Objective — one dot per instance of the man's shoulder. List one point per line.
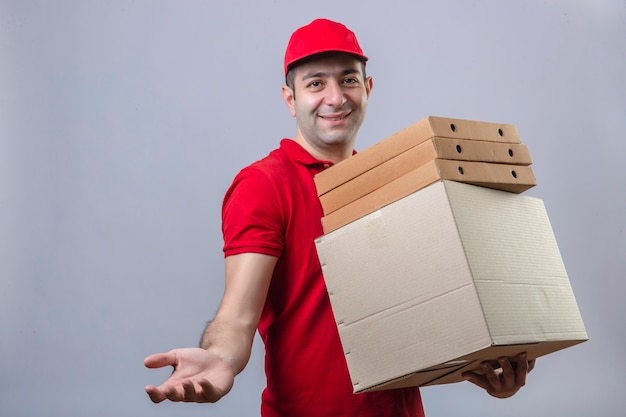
(276, 163)
(269, 176)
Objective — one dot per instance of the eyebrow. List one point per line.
(321, 74)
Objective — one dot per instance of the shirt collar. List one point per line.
(297, 153)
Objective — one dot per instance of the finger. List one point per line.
(522, 369)
(492, 376)
(155, 394)
(172, 393)
(159, 360)
(189, 392)
(509, 376)
(210, 392)
(477, 379)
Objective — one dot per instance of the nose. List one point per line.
(334, 94)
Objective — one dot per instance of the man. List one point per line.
(271, 216)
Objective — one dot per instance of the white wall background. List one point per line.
(122, 123)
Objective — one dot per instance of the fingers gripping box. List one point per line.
(431, 285)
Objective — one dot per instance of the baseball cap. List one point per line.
(321, 35)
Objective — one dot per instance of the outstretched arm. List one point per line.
(207, 373)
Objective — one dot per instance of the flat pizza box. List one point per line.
(444, 278)
(409, 137)
(511, 178)
(415, 157)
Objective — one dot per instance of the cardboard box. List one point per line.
(409, 137)
(425, 152)
(436, 282)
(512, 178)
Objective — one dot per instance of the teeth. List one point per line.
(334, 118)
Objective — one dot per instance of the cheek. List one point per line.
(305, 107)
(363, 103)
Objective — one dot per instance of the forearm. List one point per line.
(231, 333)
(230, 340)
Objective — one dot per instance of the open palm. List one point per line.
(198, 376)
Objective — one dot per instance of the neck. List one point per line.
(332, 153)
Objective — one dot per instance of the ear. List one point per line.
(288, 98)
(369, 84)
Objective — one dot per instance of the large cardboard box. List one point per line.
(438, 281)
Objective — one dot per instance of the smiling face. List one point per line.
(329, 101)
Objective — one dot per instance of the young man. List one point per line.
(271, 216)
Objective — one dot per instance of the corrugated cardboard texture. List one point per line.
(409, 137)
(442, 275)
(482, 151)
(519, 299)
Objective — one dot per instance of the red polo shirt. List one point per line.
(272, 208)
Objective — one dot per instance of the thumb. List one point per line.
(159, 360)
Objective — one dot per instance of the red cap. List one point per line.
(321, 35)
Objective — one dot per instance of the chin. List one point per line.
(338, 139)
(337, 142)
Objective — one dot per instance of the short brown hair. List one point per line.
(290, 77)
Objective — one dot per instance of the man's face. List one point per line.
(330, 101)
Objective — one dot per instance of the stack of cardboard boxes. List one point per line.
(435, 148)
(435, 262)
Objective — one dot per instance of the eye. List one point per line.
(350, 81)
(315, 84)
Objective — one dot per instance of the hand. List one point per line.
(199, 376)
(502, 378)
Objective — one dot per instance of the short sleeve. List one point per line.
(252, 218)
